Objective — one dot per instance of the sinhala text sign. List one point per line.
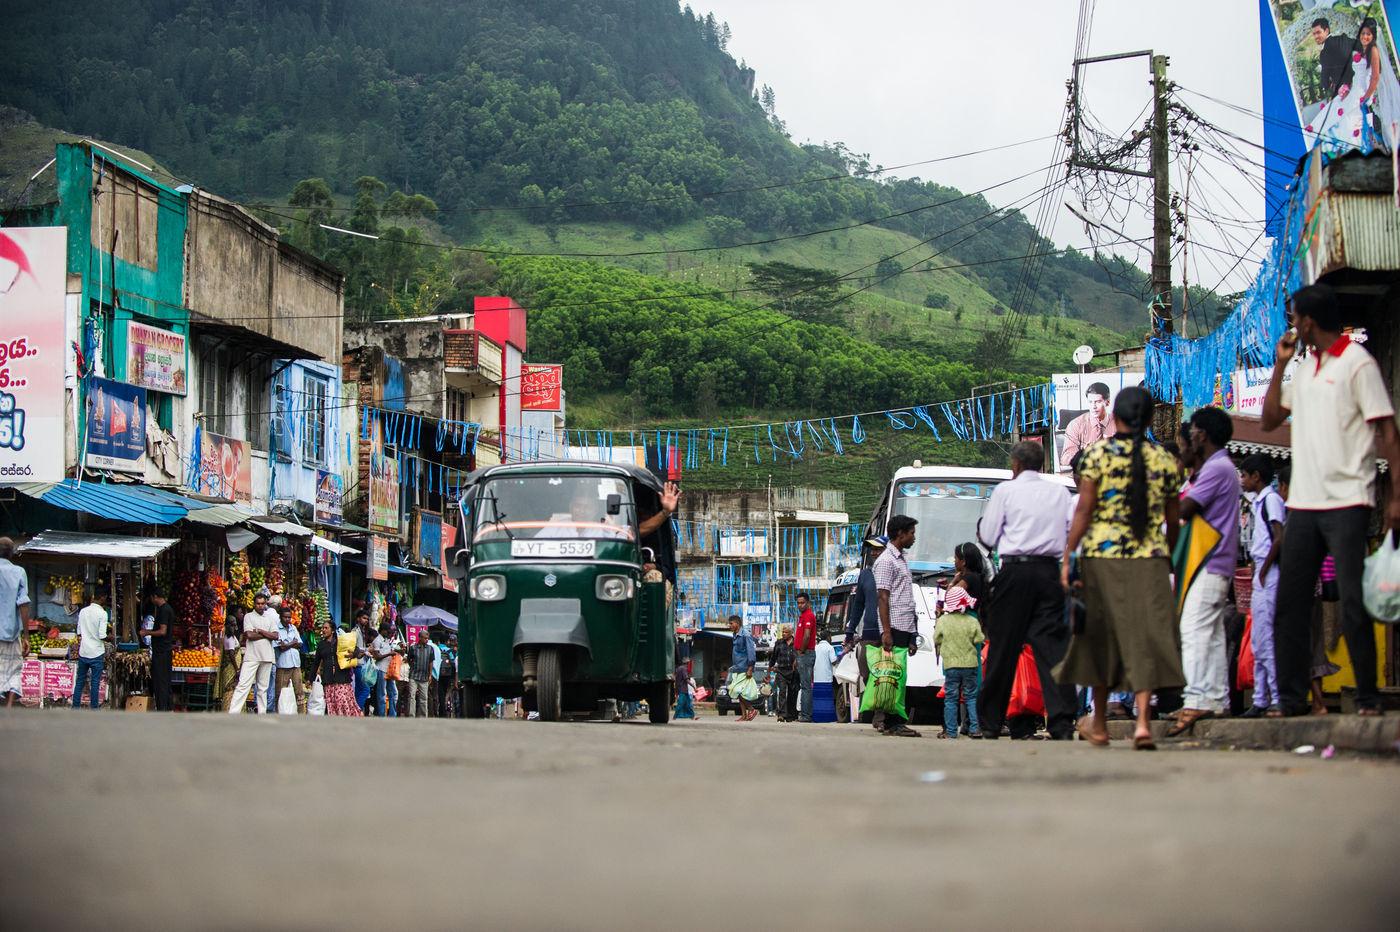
(155, 358)
(32, 351)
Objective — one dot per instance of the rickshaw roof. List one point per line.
(642, 476)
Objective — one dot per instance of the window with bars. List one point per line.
(214, 379)
(315, 392)
(256, 413)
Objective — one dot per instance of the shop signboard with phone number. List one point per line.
(32, 351)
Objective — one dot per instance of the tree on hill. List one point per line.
(801, 292)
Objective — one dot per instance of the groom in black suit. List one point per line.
(1335, 58)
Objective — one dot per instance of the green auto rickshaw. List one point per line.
(559, 601)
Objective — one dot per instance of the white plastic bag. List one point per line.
(287, 701)
(1380, 581)
(316, 702)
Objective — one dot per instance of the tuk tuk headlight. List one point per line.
(488, 588)
(613, 588)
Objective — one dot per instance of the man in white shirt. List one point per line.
(1342, 419)
(288, 646)
(260, 631)
(92, 648)
(1025, 524)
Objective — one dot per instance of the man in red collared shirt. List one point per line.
(805, 643)
(1342, 419)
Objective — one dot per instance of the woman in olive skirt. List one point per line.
(1130, 640)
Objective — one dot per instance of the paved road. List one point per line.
(129, 821)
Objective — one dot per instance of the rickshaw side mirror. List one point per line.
(457, 565)
(614, 504)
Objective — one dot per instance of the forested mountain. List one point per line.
(632, 106)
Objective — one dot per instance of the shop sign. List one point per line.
(430, 538)
(330, 495)
(156, 358)
(758, 615)
(449, 542)
(748, 544)
(32, 353)
(541, 387)
(225, 468)
(58, 679)
(31, 679)
(383, 491)
(378, 558)
(413, 631)
(116, 426)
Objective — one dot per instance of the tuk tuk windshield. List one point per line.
(555, 507)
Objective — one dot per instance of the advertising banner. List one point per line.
(383, 489)
(1340, 64)
(116, 426)
(330, 497)
(449, 541)
(32, 353)
(156, 358)
(225, 468)
(541, 387)
(748, 544)
(1243, 394)
(1084, 410)
(430, 538)
(378, 558)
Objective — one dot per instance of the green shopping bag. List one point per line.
(885, 688)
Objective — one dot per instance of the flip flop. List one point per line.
(1098, 741)
(1367, 711)
(1144, 743)
(1187, 721)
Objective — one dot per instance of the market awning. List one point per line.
(116, 502)
(393, 570)
(286, 528)
(106, 546)
(325, 543)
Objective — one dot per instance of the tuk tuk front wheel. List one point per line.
(659, 702)
(550, 685)
(471, 701)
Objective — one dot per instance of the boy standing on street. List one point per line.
(1256, 478)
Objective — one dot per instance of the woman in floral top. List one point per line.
(1127, 522)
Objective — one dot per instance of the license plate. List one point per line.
(578, 549)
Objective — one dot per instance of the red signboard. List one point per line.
(541, 387)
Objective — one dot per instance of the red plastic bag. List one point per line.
(1244, 673)
(1026, 695)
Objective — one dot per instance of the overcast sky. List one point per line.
(910, 80)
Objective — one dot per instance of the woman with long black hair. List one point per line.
(1127, 497)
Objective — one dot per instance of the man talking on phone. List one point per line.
(1342, 419)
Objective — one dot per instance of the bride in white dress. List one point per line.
(1345, 122)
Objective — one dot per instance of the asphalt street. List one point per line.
(127, 821)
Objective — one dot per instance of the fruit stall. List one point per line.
(63, 567)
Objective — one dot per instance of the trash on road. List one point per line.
(1304, 749)
(933, 776)
(1328, 751)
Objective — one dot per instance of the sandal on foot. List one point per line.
(1186, 721)
(1086, 732)
(1144, 743)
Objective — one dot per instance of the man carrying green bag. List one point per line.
(883, 663)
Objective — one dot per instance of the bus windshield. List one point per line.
(947, 512)
(525, 507)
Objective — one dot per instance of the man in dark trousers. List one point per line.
(1026, 524)
(863, 612)
(162, 650)
(1334, 59)
(1343, 420)
(782, 660)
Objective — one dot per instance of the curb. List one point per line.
(1372, 735)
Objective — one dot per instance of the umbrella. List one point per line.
(427, 615)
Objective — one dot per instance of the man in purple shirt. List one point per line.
(1215, 496)
(1025, 523)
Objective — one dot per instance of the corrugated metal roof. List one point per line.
(325, 543)
(282, 527)
(116, 502)
(108, 546)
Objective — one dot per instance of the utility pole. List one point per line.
(1161, 307)
(1161, 202)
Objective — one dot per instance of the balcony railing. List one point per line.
(792, 498)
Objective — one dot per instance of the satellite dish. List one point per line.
(1083, 354)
